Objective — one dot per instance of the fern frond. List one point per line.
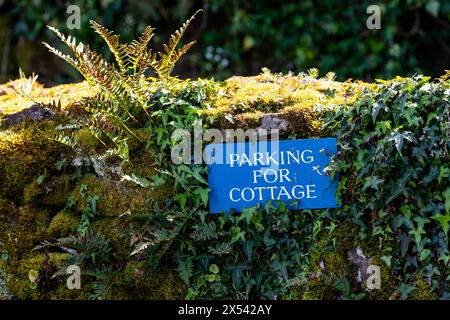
(170, 55)
(204, 231)
(112, 41)
(63, 56)
(69, 40)
(67, 140)
(137, 48)
(98, 70)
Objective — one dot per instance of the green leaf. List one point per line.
(214, 268)
(204, 194)
(181, 198)
(387, 260)
(376, 109)
(138, 180)
(41, 177)
(433, 7)
(446, 195)
(372, 182)
(398, 139)
(123, 150)
(443, 221)
(185, 270)
(404, 243)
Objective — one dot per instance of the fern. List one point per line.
(205, 231)
(112, 41)
(221, 249)
(123, 87)
(171, 54)
(134, 57)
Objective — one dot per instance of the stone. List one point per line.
(362, 262)
(33, 113)
(273, 121)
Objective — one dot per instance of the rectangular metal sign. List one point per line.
(240, 175)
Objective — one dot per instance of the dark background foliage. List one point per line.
(240, 37)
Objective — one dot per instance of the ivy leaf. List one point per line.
(204, 194)
(417, 233)
(433, 7)
(372, 182)
(446, 195)
(181, 198)
(237, 234)
(248, 250)
(424, 254)
(376, 109)
(405, 290)
(387, 260)
(405, 240)
(398, 139)
(443, 221)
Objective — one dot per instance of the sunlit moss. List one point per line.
(63, 224)
(66, 95)
(24, 155)
(19, 283)
(137, 281)
(115, 197)
(422, 290)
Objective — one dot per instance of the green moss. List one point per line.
(18, 282)
(63, 224)
(87, 141)
(115, 197)
(24, 154)
(19, 240)
(294, 97)
(141, 165)
(22, 229)
(137, 281)
(389, 281)
(314, 289)
(110, 228)
(329, 263)
(31, 192)
(422, 290)
(28, 215)
(67, 95)
(57, 190)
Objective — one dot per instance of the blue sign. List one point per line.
(241, 175)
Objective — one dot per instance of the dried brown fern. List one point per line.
(133, 59)
(124, 88)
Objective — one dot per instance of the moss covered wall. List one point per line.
(35, 196)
